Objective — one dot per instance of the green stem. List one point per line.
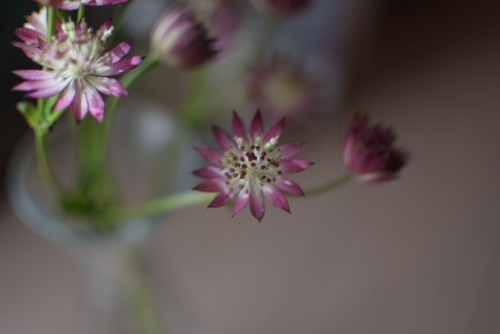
(41, 103)
(51, 13)
(81, 13)
(94, 137)
(195, 110)
(119, 15)
(329, 186)
(43, 161)
(112, 102)
(147, 63)
(162, 205)
(143, 306)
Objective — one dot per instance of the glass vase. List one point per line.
(146, 160)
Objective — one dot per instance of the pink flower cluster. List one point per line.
(75, 4)
(76, 64)
(251, 166)
(369, 151)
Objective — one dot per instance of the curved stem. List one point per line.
(148, 63)
(329, 186)
(163, 205)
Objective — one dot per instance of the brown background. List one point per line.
(420, 255)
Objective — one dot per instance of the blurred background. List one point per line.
(418, 255)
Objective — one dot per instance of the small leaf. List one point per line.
(29, 111)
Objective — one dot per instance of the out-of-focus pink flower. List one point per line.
(35, 28)
(221, 17)
(369, 151)
(251, 166)
(180, 40)
(75, 4)
(48, 2)
(77, 66)
(282, 88)
(282, 8)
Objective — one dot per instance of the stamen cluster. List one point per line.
(251, 162)
(251, 167)
(76, 65)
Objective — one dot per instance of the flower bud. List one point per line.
(369, 151)
(281, 8)
(222, 18)
(180, 41)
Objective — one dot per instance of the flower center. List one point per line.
(250, 163)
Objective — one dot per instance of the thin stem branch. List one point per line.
(81, 13)
(329, 186)
(51, 14)
(43, 161)
(148, 63)
(112, 102)
(163, 205)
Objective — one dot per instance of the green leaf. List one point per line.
(29, 112)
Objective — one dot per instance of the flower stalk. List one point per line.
(332, 185)
(43, 162)
(161, 205)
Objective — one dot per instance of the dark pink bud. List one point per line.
(180, 41)
(369, 151)
(282, 8)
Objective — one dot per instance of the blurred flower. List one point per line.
(282, 8)
(48, 2)
(76, 65)
(280, 87)
(35, 28)
(369, 151)
(221, 17)
(180, 40)
(251, 166)
(75, 4)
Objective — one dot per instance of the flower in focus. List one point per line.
(76, 64)
(250, 166)
(35, 28)
(180, 40)
(282, 8)
(75, 4)
(282, 88)
(369, 151)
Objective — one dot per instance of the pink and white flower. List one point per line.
(369, 151)
(77, 66)
(251, 166)
(75, 4)
(35, 28)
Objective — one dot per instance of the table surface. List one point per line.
(419, 255)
